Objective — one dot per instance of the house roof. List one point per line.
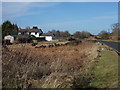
(16, 35)
(47, 34)
(30, 30)
(19, 36)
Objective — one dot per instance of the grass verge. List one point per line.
(105, 70)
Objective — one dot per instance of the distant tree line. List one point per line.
(59, 34)
(65, 34)
(82, 35)
(9, 28)
(115, 34)
(104, 34)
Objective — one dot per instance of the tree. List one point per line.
(77, 34)
(85, 34)
(104, 34)
(9, 28)
(82, 35)
(66, 34)
(115, 29)
(14, 30)
(59, 34)
(6, 28)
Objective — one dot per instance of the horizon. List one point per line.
(71, 16)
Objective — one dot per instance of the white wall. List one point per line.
(48, 38)
(19, 33)
(32, 33)
(36, 35)
(9, 37)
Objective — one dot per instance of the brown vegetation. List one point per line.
(54, 67)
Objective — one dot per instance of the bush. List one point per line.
(23, 39)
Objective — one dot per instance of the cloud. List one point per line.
(76, 25)
(92, 19)
(10, 10)
(17, 9)
(14, 8)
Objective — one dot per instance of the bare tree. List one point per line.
(115, 29)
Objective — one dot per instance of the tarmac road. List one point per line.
(114, 45)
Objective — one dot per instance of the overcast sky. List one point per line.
(71, 16)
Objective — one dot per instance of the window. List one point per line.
(29, 33)
(35, 33)
(39, 34)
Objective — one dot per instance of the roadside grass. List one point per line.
(105, 72)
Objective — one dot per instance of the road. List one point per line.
(114, 45)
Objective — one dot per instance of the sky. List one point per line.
(72, 16)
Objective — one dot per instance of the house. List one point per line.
(9, 38)
(26, 35)
(17, 38)
(47, 38)
(30, 31)
(91, 38)
(35, 32)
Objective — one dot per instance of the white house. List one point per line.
(33, 32)
(47, 38)
(9, 37)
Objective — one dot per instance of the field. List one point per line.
(85, 65)
(46, 67)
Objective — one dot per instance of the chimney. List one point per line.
(28, 27)
(35, 27)
(19, 28)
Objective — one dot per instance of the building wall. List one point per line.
(19, 33)
(32, 33)
(35, 34)
(47, 38)
(9, 38)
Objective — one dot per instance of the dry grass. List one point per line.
(55, 67)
